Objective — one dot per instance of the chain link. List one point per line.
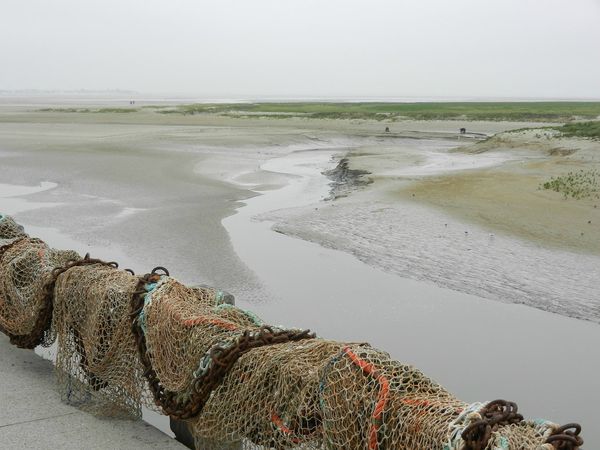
(493, 415)
(566, 437)
(44, 319)
(222, 358)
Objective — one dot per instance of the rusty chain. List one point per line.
(223, 358)
(566, 437)
(493, 415)
(44, 318)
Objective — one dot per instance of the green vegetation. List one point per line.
(581, 129)
(88, 110)
(578, 185)
(496, 111)
(589, 129)
(512, 111)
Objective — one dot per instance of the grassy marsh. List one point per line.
(494, 111)
(589, 129)
(581, 129)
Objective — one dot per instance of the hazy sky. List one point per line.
(249, 48)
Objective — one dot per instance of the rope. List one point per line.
(382, 396)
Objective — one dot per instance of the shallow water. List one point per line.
(417, 242)
(479, 349)
(12, 203)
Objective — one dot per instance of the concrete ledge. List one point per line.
(33, 417)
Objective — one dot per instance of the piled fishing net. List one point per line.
(327, 395)
(189, 339)
(25, 285)
(97, 363)
(9, 229)
(125, 342)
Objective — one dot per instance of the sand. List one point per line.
(507, 197)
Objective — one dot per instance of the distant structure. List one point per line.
(463, 130)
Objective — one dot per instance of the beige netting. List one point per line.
(125, 342)
(10, 229)
(97, 360)
(25, 275)
(327, 395)
(191, 317)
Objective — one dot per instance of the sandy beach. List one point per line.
(447, 257)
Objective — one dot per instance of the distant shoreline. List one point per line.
(533, 111)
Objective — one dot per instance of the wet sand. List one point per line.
(508, 198)
(157, 193)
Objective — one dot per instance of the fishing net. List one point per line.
(125, 342)
(97, 363)
(327, 395)
(9, 229)
(25, 285)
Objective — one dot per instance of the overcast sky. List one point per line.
(295, 48)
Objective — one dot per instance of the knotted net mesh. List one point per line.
(97, 362)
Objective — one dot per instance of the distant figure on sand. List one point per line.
(463, 130)
(387, 129)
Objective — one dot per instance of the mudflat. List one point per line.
(511, 198)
